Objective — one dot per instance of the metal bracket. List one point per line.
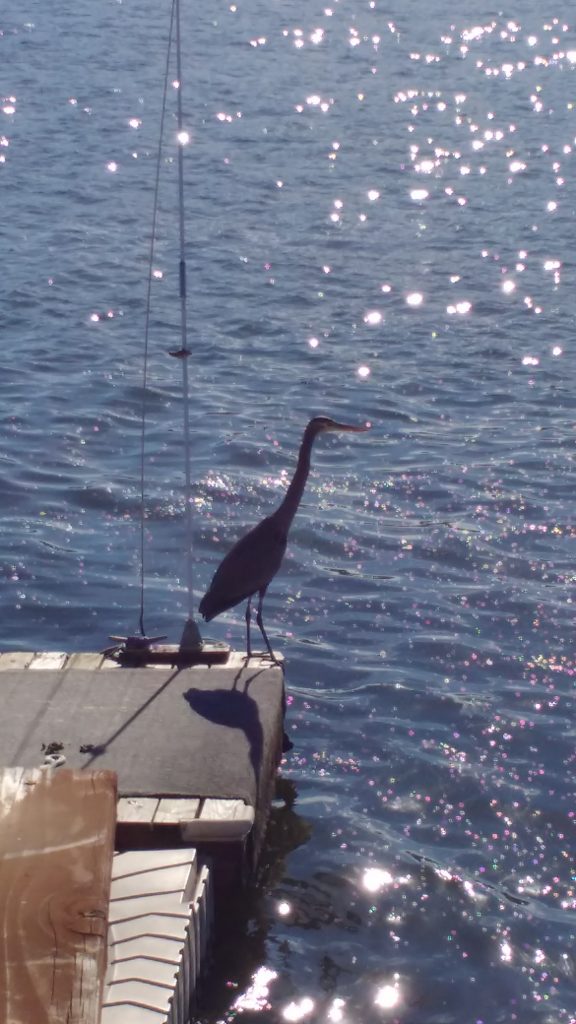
(131, 645)
(140, 651)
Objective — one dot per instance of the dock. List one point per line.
(191, 755)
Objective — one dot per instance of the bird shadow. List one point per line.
(233, 709)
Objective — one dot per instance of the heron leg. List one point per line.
(248, 614)
(260, 622)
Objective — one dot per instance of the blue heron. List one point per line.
(252, 563)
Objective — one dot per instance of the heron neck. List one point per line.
(287, 510)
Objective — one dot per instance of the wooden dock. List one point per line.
(193, 752)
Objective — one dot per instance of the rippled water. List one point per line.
(381, 219)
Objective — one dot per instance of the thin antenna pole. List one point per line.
(142, 559)
(191, 636)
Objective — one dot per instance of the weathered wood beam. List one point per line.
(56, 845)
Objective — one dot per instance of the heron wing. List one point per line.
(247, 568)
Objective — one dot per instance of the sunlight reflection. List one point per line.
(414, 299)
(284, 908)
(255, 997)
(388, 996)
(462, 308)
(425, 166)
(112, 167)
(506, 952)
(363, 371)
(316, 101)
(183, 138)
(336, 1011)
(297, 1011)
(375, 879)
(373, 317)
(419, 194)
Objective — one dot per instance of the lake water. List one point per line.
(381, 218)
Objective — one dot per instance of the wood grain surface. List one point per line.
(56, 845)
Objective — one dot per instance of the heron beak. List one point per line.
(350, 427)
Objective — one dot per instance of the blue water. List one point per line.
(380, 210)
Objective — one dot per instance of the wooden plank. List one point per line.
(219, 821)
(56, 847)
(238, 659)
(48, 660)
(140, 809)
(214, 809)
(176, 811)
(15, 660)
(85, 660)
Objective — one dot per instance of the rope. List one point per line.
(142, 560)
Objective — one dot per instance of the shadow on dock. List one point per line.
(233, 709)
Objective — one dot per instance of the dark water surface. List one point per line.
(381, 223)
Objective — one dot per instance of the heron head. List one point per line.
(322, 424)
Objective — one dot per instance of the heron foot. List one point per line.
(264, 656)
(268, 656)
(287, 744)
